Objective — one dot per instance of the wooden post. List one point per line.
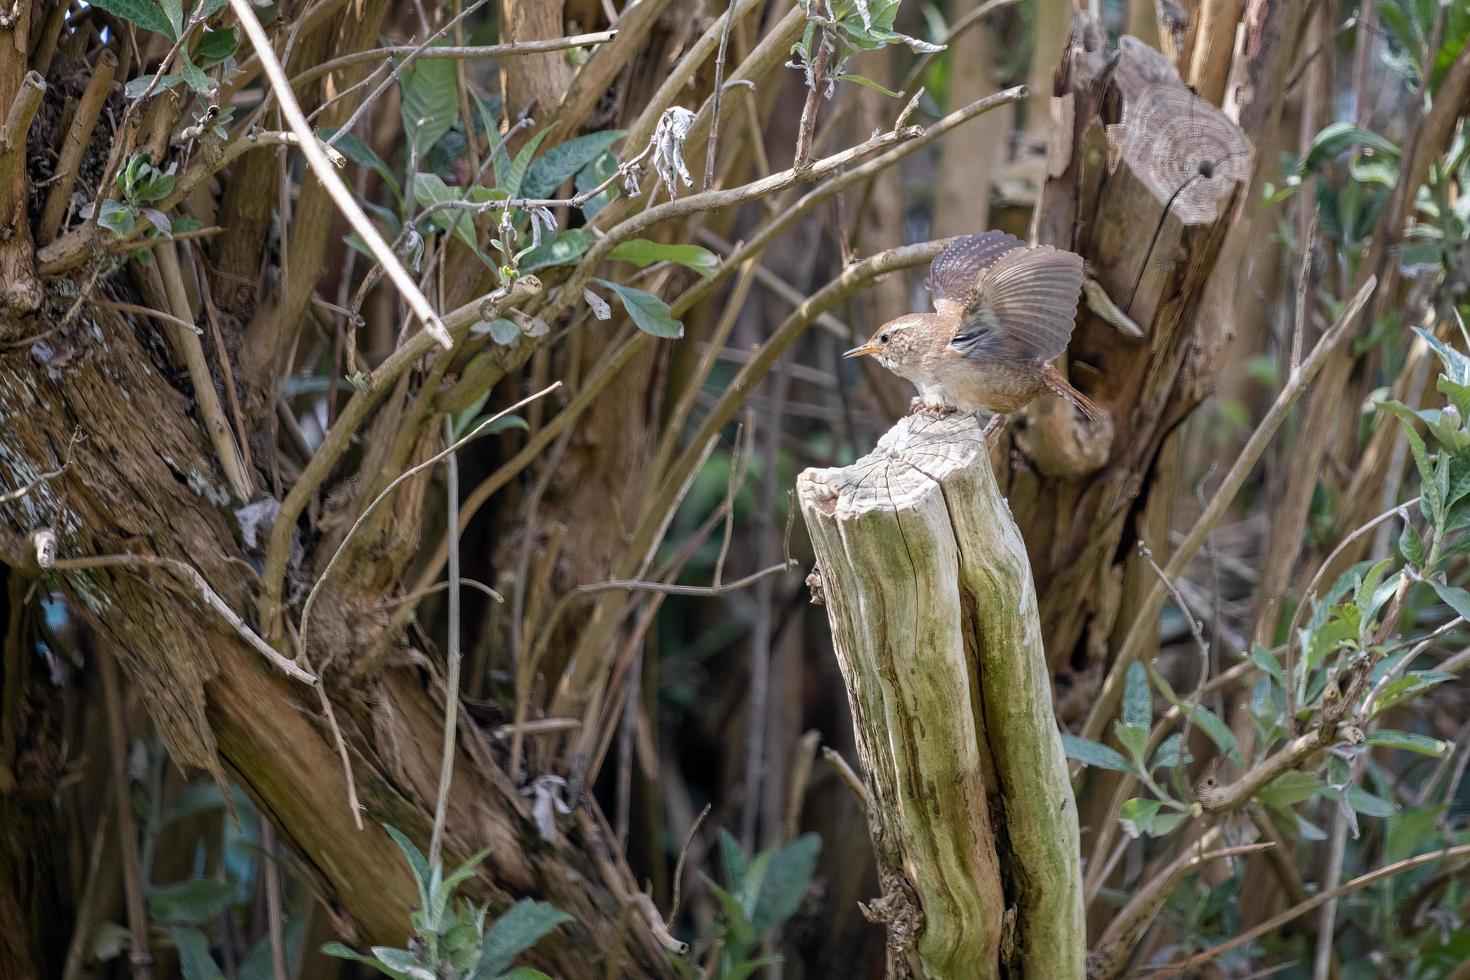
(933, 612)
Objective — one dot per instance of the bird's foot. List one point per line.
(994, 428)
(933, 409)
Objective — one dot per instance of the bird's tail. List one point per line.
(1059, 385)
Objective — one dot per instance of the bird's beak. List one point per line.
(863, 351)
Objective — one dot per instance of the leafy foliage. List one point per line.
(760, 893)
(452, 941)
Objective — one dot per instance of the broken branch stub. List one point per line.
(934, 622)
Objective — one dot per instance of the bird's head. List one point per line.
(898, 344)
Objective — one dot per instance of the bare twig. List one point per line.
(714, 126)
(273, 901)
(402, 67)
(211, 599)
(321, 166)
(452, 657)
(127, 827)
(458, 53)
(816, 83)
(708, 591)
(14, 495)
(211, 412)
(78, 135)
(18, 123)
(679, 866)
(845, 773)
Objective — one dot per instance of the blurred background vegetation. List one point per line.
(681, 734)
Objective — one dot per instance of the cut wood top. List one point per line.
(909, 463)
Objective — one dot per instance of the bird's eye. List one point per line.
(883, 339)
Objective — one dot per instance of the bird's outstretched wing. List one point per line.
(956, 272)
(1023, 305)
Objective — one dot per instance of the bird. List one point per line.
(1003, 311)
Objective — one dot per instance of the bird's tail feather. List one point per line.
(1059, 385)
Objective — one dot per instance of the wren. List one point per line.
(1003, 311)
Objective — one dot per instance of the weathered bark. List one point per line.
(935, 625)
(143, 480)
(1143, 181)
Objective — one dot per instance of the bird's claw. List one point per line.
(936, 410)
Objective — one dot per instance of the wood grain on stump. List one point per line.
(933, 613)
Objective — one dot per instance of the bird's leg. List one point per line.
(994, 427)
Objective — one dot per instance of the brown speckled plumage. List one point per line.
(1003, 312)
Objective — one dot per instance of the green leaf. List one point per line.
(1366, 598)
(416, 862)
(195, 963)
(1137, 816)
(403, 962)
(554, 166)
(1412, 684)
(1408, 741)
(643, 253)
(1453, 596)
(648, 312)
(1166, 822)
(144, 13)
(1217, 731)
(734, 858)
(1170, 753)
(866, 82)
(117, 218)
(1411, 546)
(523, 973)
(1339, 136)
(361, 154)
(1433, 501)
(563, 248)
(1290, 788)
(258, 964)
(1267, 661)
(1138, 709)
(194, 76)
(430, 101)
(428, 190)
(216, 46)
(1456, 364)
(1410, 832)
(520, 928)
(174, 11)
(1367, 804)
(1135, 740)
(515, 175)
(348, 953)
(785, 883)
(748, 968)
(192, 902)
(1094, 754)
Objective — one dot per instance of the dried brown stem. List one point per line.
(127, 826)
(77, 137)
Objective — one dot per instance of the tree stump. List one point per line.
(934, 620)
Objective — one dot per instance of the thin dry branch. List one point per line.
(458, 53)
(321, 166)
(210, 597)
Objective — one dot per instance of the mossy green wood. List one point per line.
(934, 622)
